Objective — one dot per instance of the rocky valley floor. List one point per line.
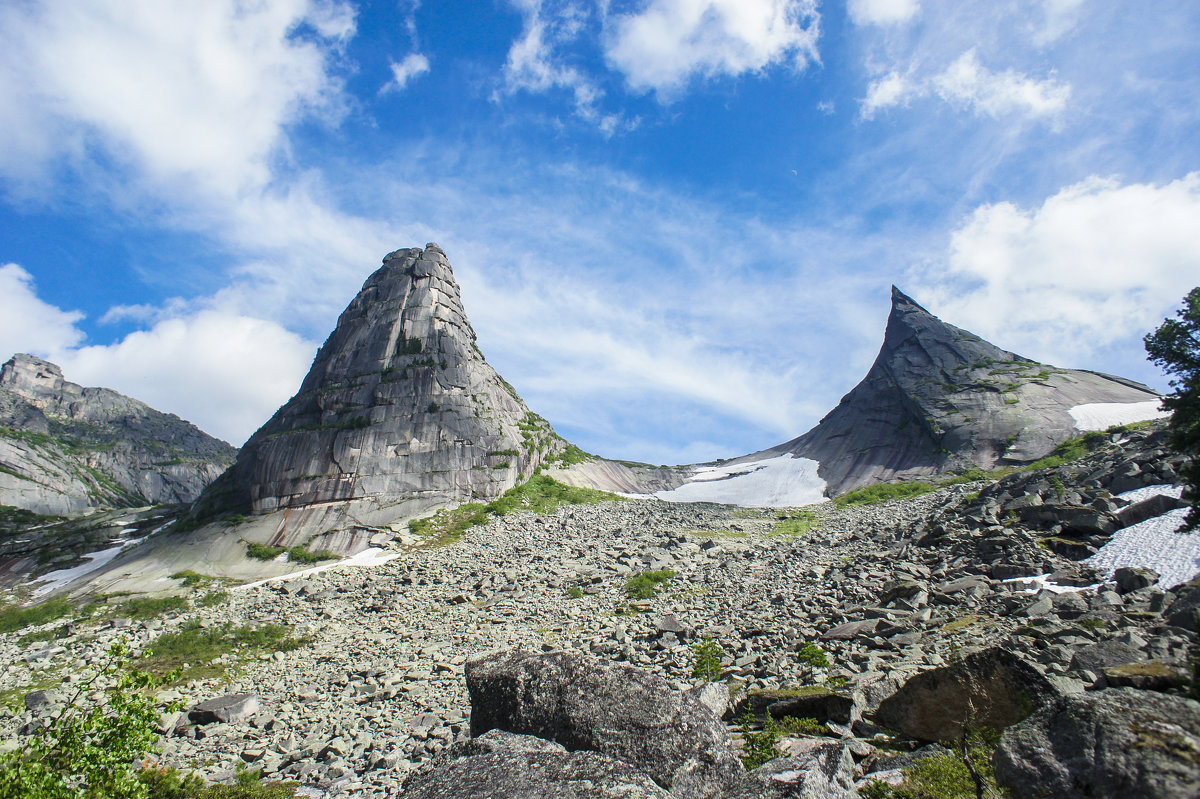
(888, 590)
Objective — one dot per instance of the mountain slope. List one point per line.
(937, 399)
(399, 408)
(64, 447)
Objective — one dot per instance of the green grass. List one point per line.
(192, 579)
(14, 617)
(570, 456)
(796, 523)
(645, 585)
(883, 492)
(540, 494)
(146, 608)
(212, 599)
(20, 517)
(300, 554)
(192, 648)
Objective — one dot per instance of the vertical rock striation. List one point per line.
(399, 409)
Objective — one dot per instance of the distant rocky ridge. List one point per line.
(399, 414)
(937, 399)
(64, 447)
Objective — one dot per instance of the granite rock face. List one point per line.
(939, 399)
(399, 408)
(64, 447)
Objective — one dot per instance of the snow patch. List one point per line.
(371, 556)
(1153, 544)
(782, 482)
(52, 581)
(1103, 415)
(1041, 582)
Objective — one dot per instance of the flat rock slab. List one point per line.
(1118, 743)
(992, 688)
(224, 709)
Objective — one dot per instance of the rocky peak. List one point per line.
(32, 378)
(399, 409)
(939, 398)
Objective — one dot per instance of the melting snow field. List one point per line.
(54, 580)
(1103, 415)
(1153, 544)
(782, 482)
(372, 556)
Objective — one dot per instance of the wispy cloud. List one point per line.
(966, 83)
(883, 12)
(413, 65)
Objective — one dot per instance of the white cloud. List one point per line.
(1061, 16)
(224, 371)
(892, 89)
(669, 42)
(200, 91)
(883, 12)
(1097, 263)
(27, 324)
(413, 65)
(967, 82)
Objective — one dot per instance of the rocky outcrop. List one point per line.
(992, 689)
(626, 713)
(399, 409)
(64, 447)
(1110, 744)
(940, 399)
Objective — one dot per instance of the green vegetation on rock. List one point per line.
(645, 585)
(540, 494)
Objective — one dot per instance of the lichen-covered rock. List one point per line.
(620, 711)
(65, 448)
(1113, 744)
(500, 764)
(992, 688)
(399, 408)
(825, 771)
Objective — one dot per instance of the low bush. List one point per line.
(645, 585)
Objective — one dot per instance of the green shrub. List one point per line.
(645, 585)
(262, 551)
(89, 750)
(882, 492)
(575, 592)
(212, 599)
(949, 776)
(796, 523)
(247, 784)
(299, 554)
(145, 608)
(708, 660)
(794, 725)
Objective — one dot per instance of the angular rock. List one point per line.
(225, 709)
(826, 771)
(1130, 579)
(818, 703)
(620, 711)
(1113, 744)
(993, 688)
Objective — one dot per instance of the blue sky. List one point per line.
(675, 222)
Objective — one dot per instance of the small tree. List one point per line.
(1175, 346)
(708, 660)
(812, 657)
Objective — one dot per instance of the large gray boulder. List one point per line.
(825, 771)
(992, 688)
(1118, 743)
(620, 711)
(501, 764)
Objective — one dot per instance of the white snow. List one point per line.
(782, 482)
(371, 556)
(1041, 582)
(1103, 415)
(51, 581)
(1153, 544)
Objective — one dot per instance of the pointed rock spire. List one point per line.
(399, 409)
